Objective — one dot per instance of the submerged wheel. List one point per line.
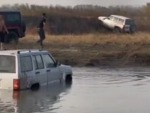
(35, 86)
(68, 79)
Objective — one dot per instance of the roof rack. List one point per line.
(19, 51)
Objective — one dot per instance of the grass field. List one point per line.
(94, 49)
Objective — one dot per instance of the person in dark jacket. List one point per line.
(41, 30)
(3, 30)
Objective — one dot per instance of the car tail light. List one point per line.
(16, 84)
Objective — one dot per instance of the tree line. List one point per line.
(79, 19)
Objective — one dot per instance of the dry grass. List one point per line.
(93, 48)
(141, 37)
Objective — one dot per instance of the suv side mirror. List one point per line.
(57, 63)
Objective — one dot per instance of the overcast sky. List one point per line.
(77, 2)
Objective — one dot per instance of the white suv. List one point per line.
(23, 69)
(118, 23)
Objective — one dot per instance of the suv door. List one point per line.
(53, 71)
(40, 71)
(27, 75)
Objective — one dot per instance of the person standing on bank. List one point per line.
(41, 31)
(3, 30)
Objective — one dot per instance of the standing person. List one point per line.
(3, 30)
(41, 31)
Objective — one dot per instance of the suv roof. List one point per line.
(119, 16)
(9, 11)
(15, 52)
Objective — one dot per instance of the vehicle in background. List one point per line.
(25, 69)
(118, 23)
(15, 25)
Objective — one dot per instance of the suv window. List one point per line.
(118, 20)
(7, 64)
(38, 62)
(111, 17)
(26, 63)
(121, 20)
(115, 19)
(12, 18)
(48, 61)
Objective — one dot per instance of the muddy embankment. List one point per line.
(94, 49)
(105, 55)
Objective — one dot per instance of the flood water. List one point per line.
(94, 90)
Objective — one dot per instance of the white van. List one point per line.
(23, 69)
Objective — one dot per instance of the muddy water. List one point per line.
(94, 90)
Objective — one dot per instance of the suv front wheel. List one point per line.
(117, 30)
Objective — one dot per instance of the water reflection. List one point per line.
(32, 101)
(94, 90)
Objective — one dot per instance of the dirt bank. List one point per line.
(94, 49)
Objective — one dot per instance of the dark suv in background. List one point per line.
(15, 25)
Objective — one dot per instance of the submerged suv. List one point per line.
(118, 23)
(24, 69)
(15, 25)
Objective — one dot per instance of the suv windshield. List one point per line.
(7, 64)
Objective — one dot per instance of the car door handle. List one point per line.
(37, 72)
(48, 70)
